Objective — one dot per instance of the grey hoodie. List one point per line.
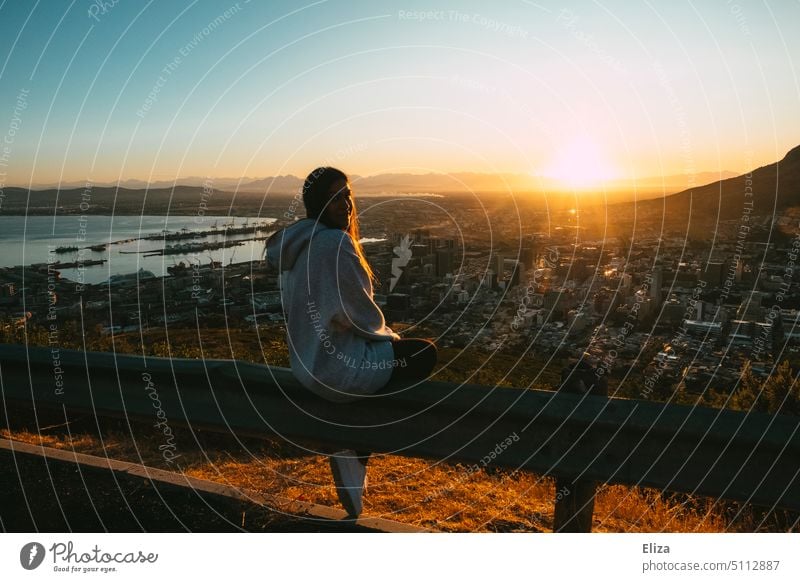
(339, 344)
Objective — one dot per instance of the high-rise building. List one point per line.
(700, 310)
(517, 273)
(490, 279)
(444, 262)
(655, 285)
(501, 266)
(527, 257)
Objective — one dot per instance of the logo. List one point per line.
(403, 253)
(31, 555)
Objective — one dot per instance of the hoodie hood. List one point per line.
(285, 246)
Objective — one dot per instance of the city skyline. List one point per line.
(582, 95)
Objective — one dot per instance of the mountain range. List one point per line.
(775, 189)
(410, 183)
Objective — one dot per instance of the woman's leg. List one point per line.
(414, 359)
(350, 476)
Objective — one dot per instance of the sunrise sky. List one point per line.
(580, 92)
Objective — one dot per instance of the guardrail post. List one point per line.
(575, 498)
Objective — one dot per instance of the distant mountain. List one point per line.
(199, 181)
(672, 183)
(452, 182)
(189, 200)
(406, 183)
(273, 185)
(438, 183)
(378, 184)
(774, 188)
(480, 182)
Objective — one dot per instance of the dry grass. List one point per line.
(436, 495)
(640, 509)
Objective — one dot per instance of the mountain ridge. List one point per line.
(433, 182)
(773, 187)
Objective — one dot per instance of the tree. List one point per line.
(782, 391)
(749, 393)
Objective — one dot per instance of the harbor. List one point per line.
(104, 246)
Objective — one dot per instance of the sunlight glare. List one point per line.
(581, 165)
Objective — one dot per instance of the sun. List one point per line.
(581, 165)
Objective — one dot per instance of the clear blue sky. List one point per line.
(277, 87)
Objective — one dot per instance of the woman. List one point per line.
(340, 347)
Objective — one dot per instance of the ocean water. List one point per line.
(29, 240)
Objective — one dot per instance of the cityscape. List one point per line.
(576, 253)
(660, 314)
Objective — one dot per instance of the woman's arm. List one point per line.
(357, 309)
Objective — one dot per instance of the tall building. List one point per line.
(517, 274)
(444, 262)
(527, 257)
(656, 284)
(700, 310)
(490, 279)
(501, 266)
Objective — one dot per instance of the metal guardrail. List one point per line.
(750, 457)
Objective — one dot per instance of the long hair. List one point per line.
(315, 198)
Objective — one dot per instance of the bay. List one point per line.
(30, 240)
